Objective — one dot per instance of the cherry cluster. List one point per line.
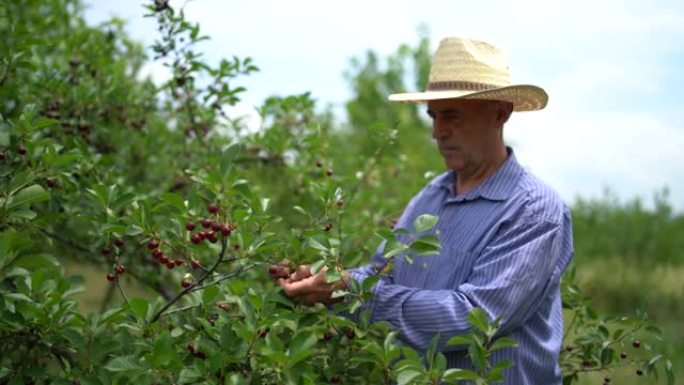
(214, 228)
(119, 269)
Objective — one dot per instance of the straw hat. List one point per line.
(474, 69)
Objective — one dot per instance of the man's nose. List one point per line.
(439, 129)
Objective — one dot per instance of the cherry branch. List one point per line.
(224, 243)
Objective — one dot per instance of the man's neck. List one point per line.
(467, 180)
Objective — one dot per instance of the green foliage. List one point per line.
(629, 229)
(610, 343)
(156, 185)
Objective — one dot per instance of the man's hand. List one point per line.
(302, 286)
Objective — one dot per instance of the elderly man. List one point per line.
(506, 237)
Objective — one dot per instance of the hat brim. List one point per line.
(524, 97)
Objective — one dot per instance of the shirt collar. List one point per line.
(498, 187)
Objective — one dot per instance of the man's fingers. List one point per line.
(303, 271)
(280, 270)
(298, 288)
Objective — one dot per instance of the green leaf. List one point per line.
(132, 230)
(655, 331)
(408, 376)
(32, 194)
(123, 364)
(300, 346)
(478, 318)
(440, 363)
(300, 209)
(385, 234)
(502, 343)
(496, 374)
(478, 356)
(392, 248)
(177, 332)
(4, 139)
(332, 275)
(316, 266)
(425, 245)
(654, 359)
(42, 123)
(189, 375)
(23, 214)
(313, 243)
(607, 356)
(18, 297)
(227, 158)
(460, 340)
(163, 351)
(210, 293)
(424, 222)
(139, 307)
(452, 375)
(669, 372)
(174, 200)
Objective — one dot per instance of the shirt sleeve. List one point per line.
(507, 280)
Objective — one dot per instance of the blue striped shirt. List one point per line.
(504, 246)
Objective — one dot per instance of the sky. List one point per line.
(613, 69)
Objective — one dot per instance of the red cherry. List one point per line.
(163, 260)
(22, 150)
(327, 336)
(351, 334)
(196, 238)
(215, 226)
(178, 262)
(225, 230)
(191, 348)
(212, 237)
(120, 269)
(319, 164)
(272, 270)
(110, 277)
(200, 355)
(119, 242)
(190, 226)
(327, 227)
(157, 253)
(170, 264)
(154, 243)
(186, 283)
(213, 208)
(195, 264)
(203, 234)
(106, 250)
(329, 172)
(206, 223)
(236, 246)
